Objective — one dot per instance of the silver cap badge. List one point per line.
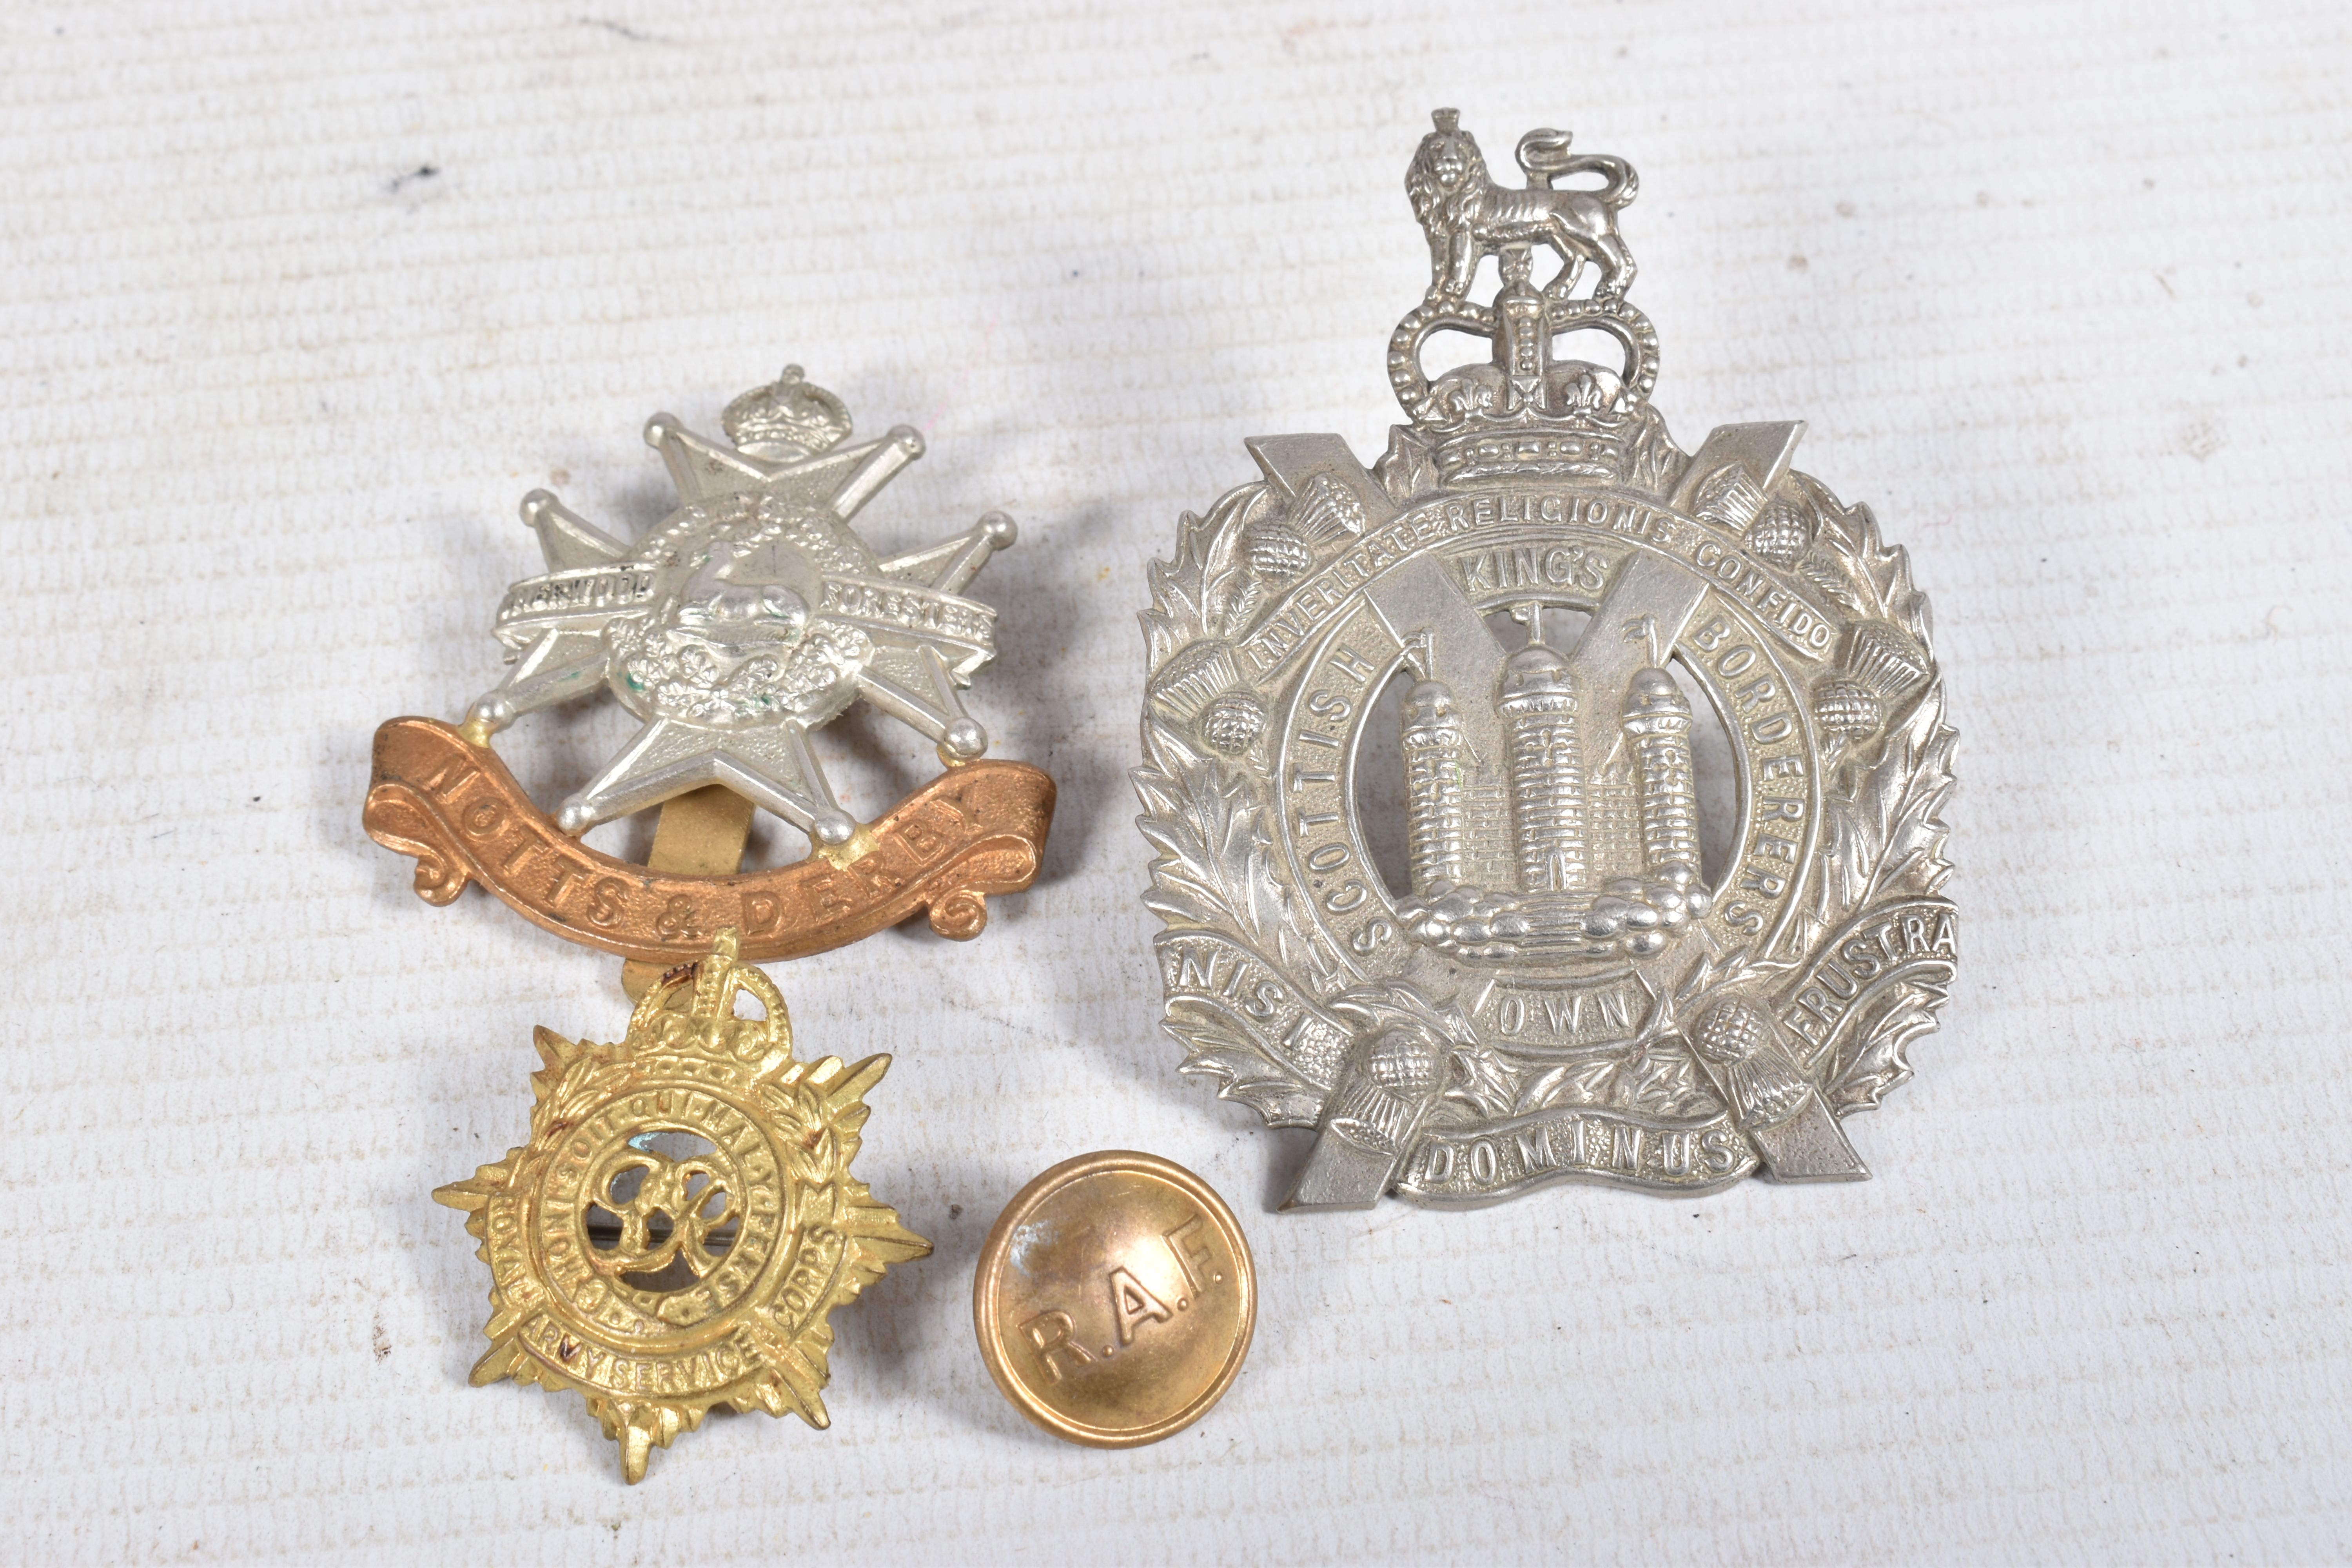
(1445, 872)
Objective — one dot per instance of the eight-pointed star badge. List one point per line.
(683, 1222)
(750, 616)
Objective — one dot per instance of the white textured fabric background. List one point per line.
(298, 301)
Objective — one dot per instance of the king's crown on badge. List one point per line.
(746, 620)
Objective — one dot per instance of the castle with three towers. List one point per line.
(1587, 798)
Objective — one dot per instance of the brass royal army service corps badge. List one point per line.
(1516, 643)
(683, 1221)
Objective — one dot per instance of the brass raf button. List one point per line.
(1115, 1299)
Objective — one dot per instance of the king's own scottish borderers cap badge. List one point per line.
(683, 1221)
(1444, 873)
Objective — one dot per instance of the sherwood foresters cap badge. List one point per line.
(749, 617)
(1440, 877)
(683, 1220)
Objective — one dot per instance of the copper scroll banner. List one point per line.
(974, 830)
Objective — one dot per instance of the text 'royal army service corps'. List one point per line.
(1561, 952)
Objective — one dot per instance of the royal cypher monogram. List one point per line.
(683, 1222)
(1567, 955)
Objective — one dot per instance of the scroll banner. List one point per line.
(1574, 1143)
(1913, 940)
(1248, 995)
(891, 609)
(583, 595)
(1783, 603)
(975, 830)
(586, 596)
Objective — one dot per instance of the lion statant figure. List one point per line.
(1468, 215)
